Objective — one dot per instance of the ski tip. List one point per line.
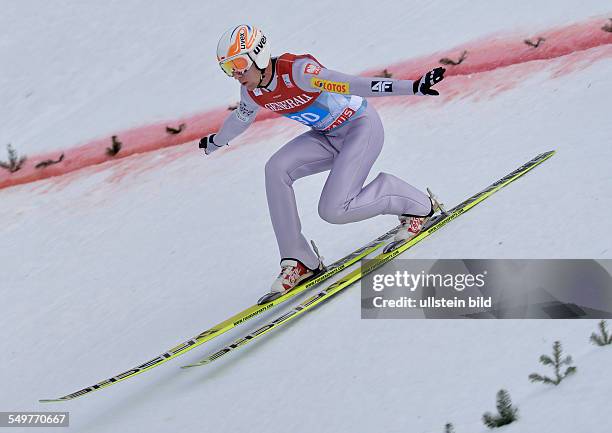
(50, 400)
(546, 154)
(197, 364)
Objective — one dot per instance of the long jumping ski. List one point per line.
(432, 226)
(235, 320)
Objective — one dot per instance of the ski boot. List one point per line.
(293, 273)
(412, 225)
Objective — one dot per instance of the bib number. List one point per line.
(307, 119)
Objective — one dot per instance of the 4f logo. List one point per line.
(382, 86)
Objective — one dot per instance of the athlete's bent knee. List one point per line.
(333, 214)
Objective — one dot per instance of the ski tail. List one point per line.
(432, 226)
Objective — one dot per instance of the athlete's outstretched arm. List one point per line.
(234, 125)
(311, 76)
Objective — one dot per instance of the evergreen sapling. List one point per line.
(603, 338)
(14, 163)
(557, 362)
(506, 412)
(115, 148)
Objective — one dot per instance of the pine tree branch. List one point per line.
(174, 131)
(546, 360)
(569, 371)
(596, 339)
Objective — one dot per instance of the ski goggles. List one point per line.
(239, 63)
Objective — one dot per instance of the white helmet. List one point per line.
(240, 47)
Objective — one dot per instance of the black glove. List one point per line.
(208, 144)
(423, 85)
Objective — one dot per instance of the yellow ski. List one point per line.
(432, 226)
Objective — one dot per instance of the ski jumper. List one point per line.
(346, 138)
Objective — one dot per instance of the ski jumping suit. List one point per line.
(346, 138)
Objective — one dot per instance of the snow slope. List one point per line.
(78, 70)
(110, 265)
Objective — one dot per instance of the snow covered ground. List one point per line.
(108, 266)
